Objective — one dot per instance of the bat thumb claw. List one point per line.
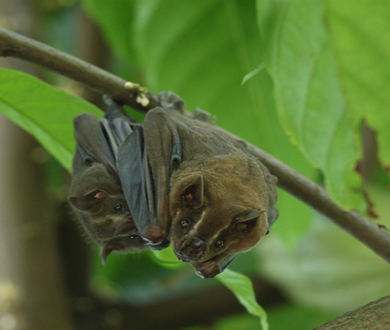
(104, 253)
(155, 234)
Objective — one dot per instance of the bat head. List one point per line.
(218, 212)
(101, 206)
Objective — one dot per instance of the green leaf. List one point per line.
(252, 74)
(242, 288)
(167, 258)
(115, 17)
(43, 111)
(360, 40)
(308, 93)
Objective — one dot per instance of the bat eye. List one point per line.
(118, 207)
(134, 236)
(184, 223)
(219, 243)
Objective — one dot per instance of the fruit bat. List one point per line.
(96, 194)
(215, 200)
(183, 181)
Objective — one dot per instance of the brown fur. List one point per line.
(212, 191)
(97, 197)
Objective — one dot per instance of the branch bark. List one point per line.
(15, 45)
(373, 316)
(369, 233)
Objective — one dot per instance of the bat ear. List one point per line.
(248, 221)
(90, 203)
(193, 195)
(273, 214)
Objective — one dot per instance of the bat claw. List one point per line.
(164, 244)
(105, 252)
(155, 235)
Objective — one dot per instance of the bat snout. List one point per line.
(196, 243)
(194, 248)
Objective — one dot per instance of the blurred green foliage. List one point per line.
(326, 70)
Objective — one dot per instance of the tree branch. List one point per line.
(13, 44)
(375, 315)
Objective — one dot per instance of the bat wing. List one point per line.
(115, 127)
(136, 180)
(90, 147)
(161, 154)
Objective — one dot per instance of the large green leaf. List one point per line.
(45, 112)
(242, 288)
(309, 97)
(116, 19)
(178, 49)
(360, 38)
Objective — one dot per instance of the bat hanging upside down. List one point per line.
(185, 182)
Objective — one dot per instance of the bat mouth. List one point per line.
(191, 256)
(125, 227)
(208, 268)
(122, 244)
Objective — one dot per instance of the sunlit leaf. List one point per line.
(252, 74)
(167, 258)
(242, 288)
(45, 112)
(308, 93)
(360, 38)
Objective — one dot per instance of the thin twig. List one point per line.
(13, 44)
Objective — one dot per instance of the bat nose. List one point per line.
(197, 243)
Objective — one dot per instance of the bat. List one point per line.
(213, 198)
(144, 169)
(96, 194)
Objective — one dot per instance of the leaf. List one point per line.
(359, 36)
(115, 18)
(43, 111)
(252, 74)
(308, 93)
(166, 258)
(242, 288)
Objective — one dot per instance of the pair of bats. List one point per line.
(173, 180)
